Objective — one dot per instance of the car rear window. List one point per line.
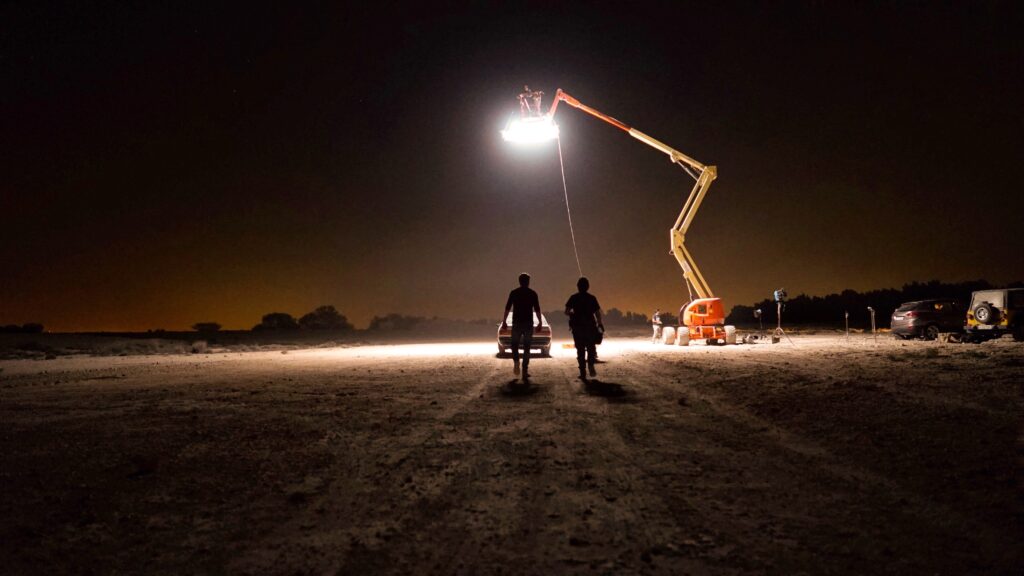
(543, 319)
(993, 297)
(907, 307)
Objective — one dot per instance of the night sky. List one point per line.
(164, 165)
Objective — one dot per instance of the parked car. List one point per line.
(927, 318)
(993, 313)
(541, 339)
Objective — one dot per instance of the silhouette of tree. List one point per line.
(325, 318)
(613, 316)
(206, 327)
(394, 322)
(277, 321)
(29, 328)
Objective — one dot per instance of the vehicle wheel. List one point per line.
(683, 337)
(730, 334)
(931, 332)
(986, 314)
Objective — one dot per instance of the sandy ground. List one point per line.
(819, 456)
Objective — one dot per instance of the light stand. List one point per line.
(873, 331)
(780, 299)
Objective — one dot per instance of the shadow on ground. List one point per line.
(610, 390)
(518, 389)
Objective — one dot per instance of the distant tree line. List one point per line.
(206, 327)
(611, 317)
(395, 321)
(29, 328)
(828, 310)
(616, 317)
(323, 318)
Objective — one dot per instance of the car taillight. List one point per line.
(910, 314)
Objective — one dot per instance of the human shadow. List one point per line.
(519, 389)
(611, 391)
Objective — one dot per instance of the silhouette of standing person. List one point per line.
(657, 324)
(584, 314)
(523, 302)
(529, 102)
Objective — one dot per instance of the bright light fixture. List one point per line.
(530, 130)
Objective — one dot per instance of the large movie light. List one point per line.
(530, 130)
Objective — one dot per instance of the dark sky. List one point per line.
(164, 164)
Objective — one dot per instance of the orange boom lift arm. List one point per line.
(703, 317)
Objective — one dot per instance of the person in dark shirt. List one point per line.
(584, 314)
(657, 324)
(523, 302)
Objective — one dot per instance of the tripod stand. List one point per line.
(779, 332)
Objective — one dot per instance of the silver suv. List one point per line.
(927, 318)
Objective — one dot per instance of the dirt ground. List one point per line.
(816, 456)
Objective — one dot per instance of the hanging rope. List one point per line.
(568, 213)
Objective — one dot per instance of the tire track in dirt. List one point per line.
(585, 515)
(816, 457)
(357, 522)
(619, 477)
(881, 374)
(503, 502)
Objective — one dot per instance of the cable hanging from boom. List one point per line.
(535, 126)
(561, 164)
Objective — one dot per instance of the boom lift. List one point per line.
(702, 317)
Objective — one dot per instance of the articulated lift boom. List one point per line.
(704, 316)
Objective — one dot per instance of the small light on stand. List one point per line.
(780, 303)
(873, 332)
